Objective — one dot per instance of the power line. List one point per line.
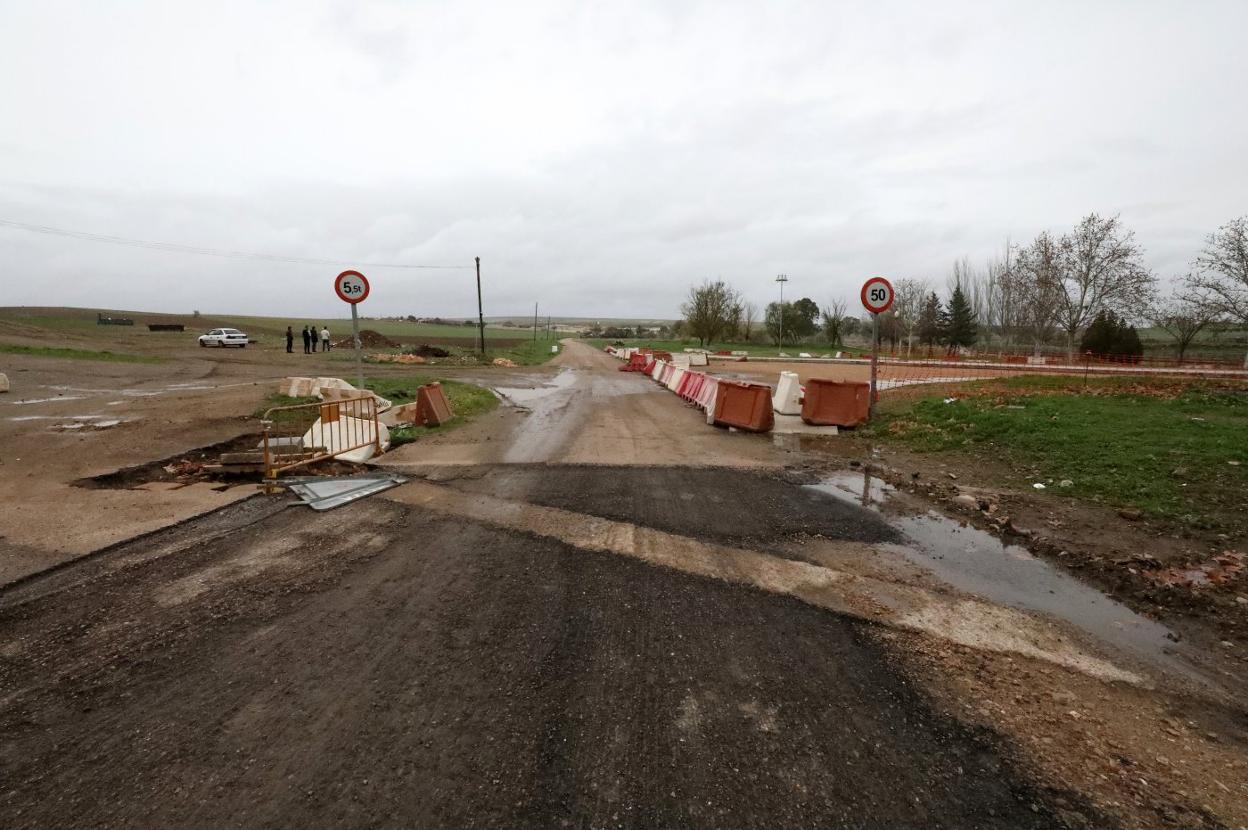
(173, 247)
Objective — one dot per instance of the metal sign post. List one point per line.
(352, 287)
(875, 363)
(877, 298)
(359, 355)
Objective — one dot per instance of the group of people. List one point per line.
(310, 338)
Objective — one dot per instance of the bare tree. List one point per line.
(834, 321)
(1035, 282)
(732, 323)
(965, 276)
(1219, 282)
(708, 310)
(1102, 270)
(1000, 293)
(908, 306)
(1183, 318)
(749, 315)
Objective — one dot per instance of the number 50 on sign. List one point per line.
(877, 295)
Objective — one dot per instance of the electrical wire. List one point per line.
(173, 247)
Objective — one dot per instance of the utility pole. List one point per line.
(480, 313)
(535, 324)
(782, 279)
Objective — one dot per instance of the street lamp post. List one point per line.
(782, 279)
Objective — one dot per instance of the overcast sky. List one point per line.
(598, 157)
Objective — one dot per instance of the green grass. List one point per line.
(1177, 454)
(467, 402)
(528, 353)
(77, 354)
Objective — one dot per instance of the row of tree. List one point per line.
(1048, 291)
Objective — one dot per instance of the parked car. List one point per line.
(224, 337)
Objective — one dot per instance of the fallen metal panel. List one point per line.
(330, 492)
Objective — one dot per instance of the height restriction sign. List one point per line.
(877, 295)
(352, 287)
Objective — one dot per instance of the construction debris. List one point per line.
(326, 493)
(502, 361)
(397, 358)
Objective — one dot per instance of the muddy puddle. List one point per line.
(527, 396)
(555, 409)
(978, 563)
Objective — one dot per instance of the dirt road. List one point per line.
(607, 614)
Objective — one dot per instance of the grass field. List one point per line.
(76, 354)
(1175, 452)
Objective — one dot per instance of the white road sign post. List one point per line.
(877, 298)
(352, 287)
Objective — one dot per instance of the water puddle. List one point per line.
(57, 399)
(53, 417)
(526, 396)
(976, 562)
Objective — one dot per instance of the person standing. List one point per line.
(312, 335)
(325, 338)
(290, 340)
(307, 341)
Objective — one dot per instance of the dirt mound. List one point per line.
(369, 339)
(425, 350)
(502, 361)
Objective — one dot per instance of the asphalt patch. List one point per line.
(717, 504)
(444, 673)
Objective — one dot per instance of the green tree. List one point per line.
(1109, 334)
(961, 327)
(793, 322)
(807, 312)
(708, 310)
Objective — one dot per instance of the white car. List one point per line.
(224, 337)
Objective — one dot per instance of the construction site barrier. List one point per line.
(746, 406)
(295, 436)
(788, 397)
(432, 406)
(836, 403)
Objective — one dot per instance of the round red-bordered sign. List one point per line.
(877, 295)
(351, 287)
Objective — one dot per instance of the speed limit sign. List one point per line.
(352, 286)
(877, 295)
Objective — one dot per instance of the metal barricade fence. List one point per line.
(302, 434)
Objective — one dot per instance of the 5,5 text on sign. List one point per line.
(351, 286)
(877, 295)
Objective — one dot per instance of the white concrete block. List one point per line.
(4, 382)
(787, 399)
